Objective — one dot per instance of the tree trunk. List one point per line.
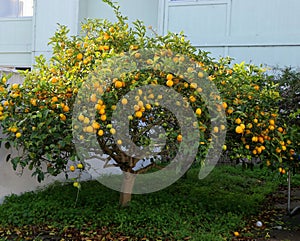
(127, 186)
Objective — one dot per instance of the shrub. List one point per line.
(288, 83)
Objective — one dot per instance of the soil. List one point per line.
(290, 222)
(278, 224)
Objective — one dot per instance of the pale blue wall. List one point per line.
(45, 20)
(23, 39)
(258, 31)
(261, 31)
(15, 41)
(145, 10)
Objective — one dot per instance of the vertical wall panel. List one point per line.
(15, 42)
(260, 31)
(199, 21)
(272, 56)
(144, 10)
(219, 26)
(46, 18)
(265, 17)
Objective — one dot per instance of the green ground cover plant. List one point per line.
(190, 209)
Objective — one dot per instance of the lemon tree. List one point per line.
(41, 117)
(36, 116)
(257, 129)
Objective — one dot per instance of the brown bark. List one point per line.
(127, 187)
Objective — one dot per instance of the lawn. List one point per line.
(191, 209)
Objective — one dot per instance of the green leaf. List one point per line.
(15, 161)
(7, 145)
(8, 157)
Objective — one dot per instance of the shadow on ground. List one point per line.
(291, 223)
(278, 225)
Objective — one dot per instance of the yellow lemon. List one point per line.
(112, 131)
(239, 130)
(170, 76)
(138, 114)
(72, 168)
(238, 121)
(169, 83)
(100, 133)
(198, 111)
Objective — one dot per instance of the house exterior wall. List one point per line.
(22, 39)
(45, 22)
(258, 31)
(144, 10)
(15, 41)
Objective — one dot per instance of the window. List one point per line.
(16, 8)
